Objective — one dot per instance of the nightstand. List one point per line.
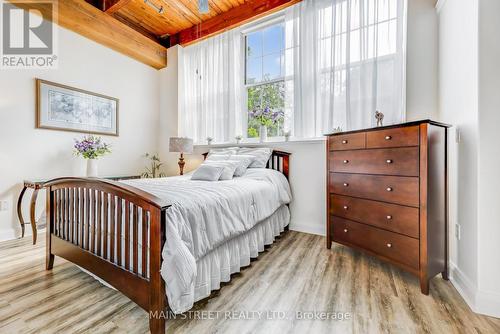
(36, 185)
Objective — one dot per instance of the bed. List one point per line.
(153, 239)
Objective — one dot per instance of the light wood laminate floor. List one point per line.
(297, 273)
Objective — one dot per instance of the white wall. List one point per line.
(26, 152)
(458, 106)
(488, 300)
(422, 61)
(469, 75)
(169, 92)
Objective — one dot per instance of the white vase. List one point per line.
(92, 168)
(263, 133)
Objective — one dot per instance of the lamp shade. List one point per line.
(180, 144)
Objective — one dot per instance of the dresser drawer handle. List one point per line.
(346, 184)
(389, 189)
(346, 230)
(389, 245)
(346, 207)
(388, 137)
(389, 161)
(345, 161)
(389, 217)
(344, 141)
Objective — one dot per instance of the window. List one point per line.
(265, 79)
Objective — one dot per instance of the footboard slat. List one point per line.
(135, 240)
(99, 223)
(127, 235)
(87, 218)
(81, 194)
(92, 220)
(145, 228)
(105, 226)
(119, 232)
(112, 223)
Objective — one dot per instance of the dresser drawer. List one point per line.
(396, 137)
(394, 189)
(351, 141)
(392, 161)
(392, 217)
(397, 247)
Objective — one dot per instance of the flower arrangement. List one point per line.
(209, 140)
(267, 116)
(238, 138)
(91, 147)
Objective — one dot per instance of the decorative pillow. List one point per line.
(243, 161)
(229, 168)
(207, 173)
(217, 157)
(223, 150)
(261, 155)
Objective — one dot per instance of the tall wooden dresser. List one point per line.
(387, 195)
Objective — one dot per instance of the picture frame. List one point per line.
(66, 108)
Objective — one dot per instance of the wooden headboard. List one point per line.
(279, 161)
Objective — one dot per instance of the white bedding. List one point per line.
(207, 219)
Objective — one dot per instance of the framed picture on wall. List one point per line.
(60, 107)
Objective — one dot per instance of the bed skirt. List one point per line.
(217, 266)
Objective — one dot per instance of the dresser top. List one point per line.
(392, 126)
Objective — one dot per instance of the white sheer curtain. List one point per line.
(211, 91)
(344, 59)
(347, 60)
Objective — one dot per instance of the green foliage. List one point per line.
(252, 132)
(266, 105)
(154, 170)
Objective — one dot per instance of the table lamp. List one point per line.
(181, 145)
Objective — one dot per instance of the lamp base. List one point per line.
(181, 164)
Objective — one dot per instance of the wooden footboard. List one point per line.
(114, 231)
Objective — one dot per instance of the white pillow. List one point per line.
(243, 161)
(217, 157)
(207, 173)
(229, 168)
(261, 154)
(223, 150)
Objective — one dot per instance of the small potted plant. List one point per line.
(154, 171)
(238, 138)
(209, 140)
(287, 135)
(91, 148)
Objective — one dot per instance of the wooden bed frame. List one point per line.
(80, 231)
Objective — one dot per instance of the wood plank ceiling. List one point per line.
(181, 22)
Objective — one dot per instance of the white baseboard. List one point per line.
(483, 302)
(308, 228)
(464, 285)
(8, 235)
(12, 234)
(488, 303)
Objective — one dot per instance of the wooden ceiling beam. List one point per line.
(249, 11)
(87, 20)
(112, 6)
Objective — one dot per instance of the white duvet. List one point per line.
(205, 215)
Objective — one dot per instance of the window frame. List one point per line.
(251, 28)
